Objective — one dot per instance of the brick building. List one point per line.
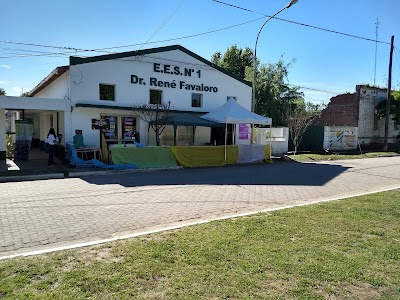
(359, 110)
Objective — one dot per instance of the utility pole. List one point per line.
(387, 115)
(376, 47)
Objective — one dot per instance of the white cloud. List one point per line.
(4, 82)
(5, 66)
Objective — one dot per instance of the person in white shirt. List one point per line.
(51, 140)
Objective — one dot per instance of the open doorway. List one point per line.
(218, 135)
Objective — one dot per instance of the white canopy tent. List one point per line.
(233, 113)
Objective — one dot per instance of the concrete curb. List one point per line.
(107, 172)
(32, 177)
(4, 179)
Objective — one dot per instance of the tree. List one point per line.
(235, 60)
(25, 94)
(152, 114)
(2, 92)
(394, 107)
(299, 117)
(273, 93)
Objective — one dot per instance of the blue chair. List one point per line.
(80, 163)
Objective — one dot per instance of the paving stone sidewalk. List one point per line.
(44, 214)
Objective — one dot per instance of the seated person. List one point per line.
(78, 139)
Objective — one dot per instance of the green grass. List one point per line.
(321, 157)
(347, 249)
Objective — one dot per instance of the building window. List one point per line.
(107, 92)
(155, 97)
(197, 100)
(233, 97)
(122, 129)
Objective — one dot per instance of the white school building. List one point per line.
(110, 86)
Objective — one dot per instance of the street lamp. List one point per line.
(253, 98)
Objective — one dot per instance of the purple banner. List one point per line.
(243, 131)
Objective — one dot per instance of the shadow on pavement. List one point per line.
(307, 174)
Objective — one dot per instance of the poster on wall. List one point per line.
(128, 127)
(343, 138)
(243, 131)
(111, 133)
(100, 124)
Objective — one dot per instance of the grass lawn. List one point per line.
(321, 157)
(347, 249)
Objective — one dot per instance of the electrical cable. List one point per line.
(303, 24)
(163, 23)
(44, 46)
(133, 45)
(315, 89)
(183, 37)
(193, 35)
(395, 55)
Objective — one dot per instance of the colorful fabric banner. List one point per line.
(205, 156)
(147, 157)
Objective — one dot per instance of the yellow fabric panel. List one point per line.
(268, 153)
(205, 156)
(104, 149)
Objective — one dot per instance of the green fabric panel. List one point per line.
(205, 156)
(147, 157)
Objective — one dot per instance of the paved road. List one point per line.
(50, 213)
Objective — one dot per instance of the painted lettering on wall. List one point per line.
(176, 70)
(175, 84)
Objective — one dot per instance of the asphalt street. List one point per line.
(61, 213)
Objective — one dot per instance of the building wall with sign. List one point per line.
(112, 85)
(177, 88)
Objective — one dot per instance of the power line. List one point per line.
(189, 36)
(315, 89)
(44, 46)
(303, 24)
(163, 23)
(183, 37)
(398, 64)
(19, 55)
(131, 45)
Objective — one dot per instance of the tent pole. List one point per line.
(270, 140)
(175, 135)
(226, 136)
(193, 132)
(148, 134)
(234, 135)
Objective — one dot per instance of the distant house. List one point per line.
(359, 110)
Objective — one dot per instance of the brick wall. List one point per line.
(358, 110)
(342, 110)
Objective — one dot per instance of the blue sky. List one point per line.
(323, 61)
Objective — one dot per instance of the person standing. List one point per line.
(51, 140)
